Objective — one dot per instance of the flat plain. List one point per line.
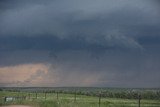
(61, 99)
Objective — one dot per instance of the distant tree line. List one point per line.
(113, 94)
(126, 94)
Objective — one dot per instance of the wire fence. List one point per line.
(99, 98)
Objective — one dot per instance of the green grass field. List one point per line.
(68, 100)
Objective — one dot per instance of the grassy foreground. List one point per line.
(68, 100)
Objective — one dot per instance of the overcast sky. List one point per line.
(104, 43)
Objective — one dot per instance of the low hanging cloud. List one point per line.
(17, 75)
(110, 69)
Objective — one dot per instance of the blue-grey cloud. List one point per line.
(117, 41)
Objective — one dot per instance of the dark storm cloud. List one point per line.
(48, 43)
(23, 49)
(115, 42)
(76, 18)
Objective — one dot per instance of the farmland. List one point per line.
(81, 97)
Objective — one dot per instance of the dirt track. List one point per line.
(16, 106)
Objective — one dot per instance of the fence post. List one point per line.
(5, 99)
(36, 95)
(57, 95)
(18, 97)
(45, 95)
(29, 95)
(75, 95)
(139, 100)
(99, 99)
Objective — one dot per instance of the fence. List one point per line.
(45, 95)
